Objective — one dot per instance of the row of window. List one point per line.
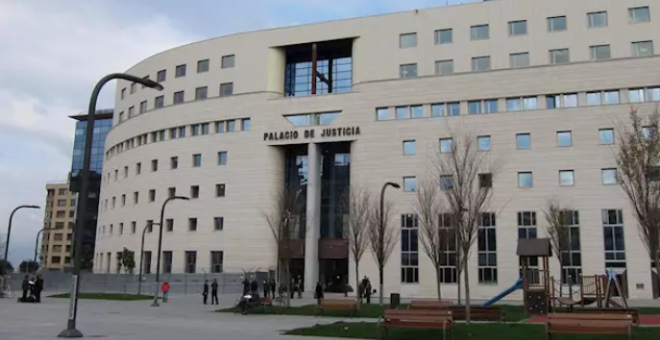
(194, 193)
(193, 225)
(522, 59)
(519, 27)
(216, 258)
(193, 130)
(203, 66)
(196, 162)
(571, 250)
(523, 103)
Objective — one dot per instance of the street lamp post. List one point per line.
(160, 243)
(36, 242)
(142, 256)
(11, 217)
(71, 331)
(381, 224)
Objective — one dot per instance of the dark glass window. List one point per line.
(298, 77)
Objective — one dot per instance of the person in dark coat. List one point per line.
(254, 287)
(273, 286)
(368, 291)
(205, 291)
(38, 287)
(318, 293)
(265, 288)
(292, 288)
(246, 286)
(25, 285)
(299, 287)
(214, 292)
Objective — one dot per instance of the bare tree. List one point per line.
(382, 238)
(432, 233)
(466, 178)
(557, 227)
(638, 161)
(287, 221)
(357, 207)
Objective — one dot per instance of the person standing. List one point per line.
(165, 288)
(214, 292)
(205, 291)
(254, 286)
(272, 287)
(318, 293)
(25, 285)
(368, 291)
(246, 286)
(292, 287)
(265, 288)
(299, 287)
(38, 287)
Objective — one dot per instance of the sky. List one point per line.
(54, 52)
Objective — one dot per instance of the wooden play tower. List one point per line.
(536, 282)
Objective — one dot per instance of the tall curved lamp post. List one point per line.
(11, 217)
(142, 256)
(381, 222)
(36, 242)
(81, 213)
(160, 243)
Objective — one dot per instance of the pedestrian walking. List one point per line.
(38, 287)
(165, 288)
(205, 291)
(214, 292)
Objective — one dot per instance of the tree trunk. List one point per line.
(467, 292)
(656, 260)
(380, 293)
(458, 285)
(437, 279)
(357, 284)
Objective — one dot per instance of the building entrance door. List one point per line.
(333, 274)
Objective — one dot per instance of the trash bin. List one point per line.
(395, 300)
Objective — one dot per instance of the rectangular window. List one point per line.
(517, 27)
(444, 67)
(608, 176)
(409, 249)
(474, 107)
(600, 52)
(636, 95)
(226, 89)
(143, 106)
(597, 19)
(517, 60)
(410, 184)
(191, 261)
(408, 71)
(206, 128)
(147, 262)
(408, 40)
(654, 94)
(564, 138)
(152, 195)
(192, 224)
(231, 125)
(218, 223)
(179, 97)
(448, 273)
(203, 66)
(480, 32)
(182, 131)
(446, 182)
(171, 192)
(133, 88)
(161, 76)
(383, 113)
(416, 111)
(174, 162)
(123, 93)
(195, 129)
(444, 36)
(217, 257)
(150, 226)
(560, 56)
(220, 190)
(222, 158)
(639, 14)
(571, 249)
(530, 103)
(131, 112)
(194, 191)
(606, 136)
(566, 178)
(483, 143)
(486, 180)
(487, 248)
(228, 61)
(247, 122)
(133, 227)
(480, 63)
(557, 24)
(197, 160)
(201, 93)
(180, 71)
(527, 225)
(615, 247)
(409, 147)
(159, 102)
(446, 145)
(525, 180)
(642, 49)
(167, 262)
(594, 98)
(136, 197)
(402, 112)
(123, 200)
(556, 101)
(513, 104)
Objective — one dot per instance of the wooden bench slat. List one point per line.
(589, 323)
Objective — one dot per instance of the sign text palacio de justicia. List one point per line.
(312, 133)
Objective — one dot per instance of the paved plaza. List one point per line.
(183, 317)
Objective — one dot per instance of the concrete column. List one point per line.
(313, 216)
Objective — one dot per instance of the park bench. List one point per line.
(429, 304)
(416, 318)
(616, 311)
(266, 302)
(589, 323)
(478, 313)
(338, 304)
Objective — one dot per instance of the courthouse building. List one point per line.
(543, 85)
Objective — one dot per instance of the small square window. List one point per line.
(159, 102)
(416, 111)
(601, 52)
(219, 190)
(382, 113)
(219, 223)
(408, 40)
(606, 136)
(480, 32)
(636, 95)
(557, 24)
(525, 180)
(402, 112)
(203, 66)
(197, 160)
(608, 176)
(231, 125)
(611, 97)
(564, 138)
(409, 147)
(597, 19)
(222, 158)
(642, 48)
(560, 56)
(180, 71)
(639, 14)
(161, 75)
(178, 97)
(444, 67)
(483, 143)
(514, 104)
(194, 191)
(171, 192)
(566, 178)
(228, 61)
(481, 63)
(446, 182)
(192, 224)
(226, 89)
(519, 60)
(245, 124)
(410, 184)
(517, 27)
(174, 162)
(201, 93)
(408, 71)
(474, 107)
(444, 36)
(485, 180)
(446, 145)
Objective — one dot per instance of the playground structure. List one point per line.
(600, 289)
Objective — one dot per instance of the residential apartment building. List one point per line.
(58, 223)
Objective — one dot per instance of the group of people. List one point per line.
(214, 292)
(32, 288)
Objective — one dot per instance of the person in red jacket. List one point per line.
(165, 288)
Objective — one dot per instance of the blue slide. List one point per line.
(502, 295)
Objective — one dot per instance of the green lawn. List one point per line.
(477, 331)
(106, 296)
